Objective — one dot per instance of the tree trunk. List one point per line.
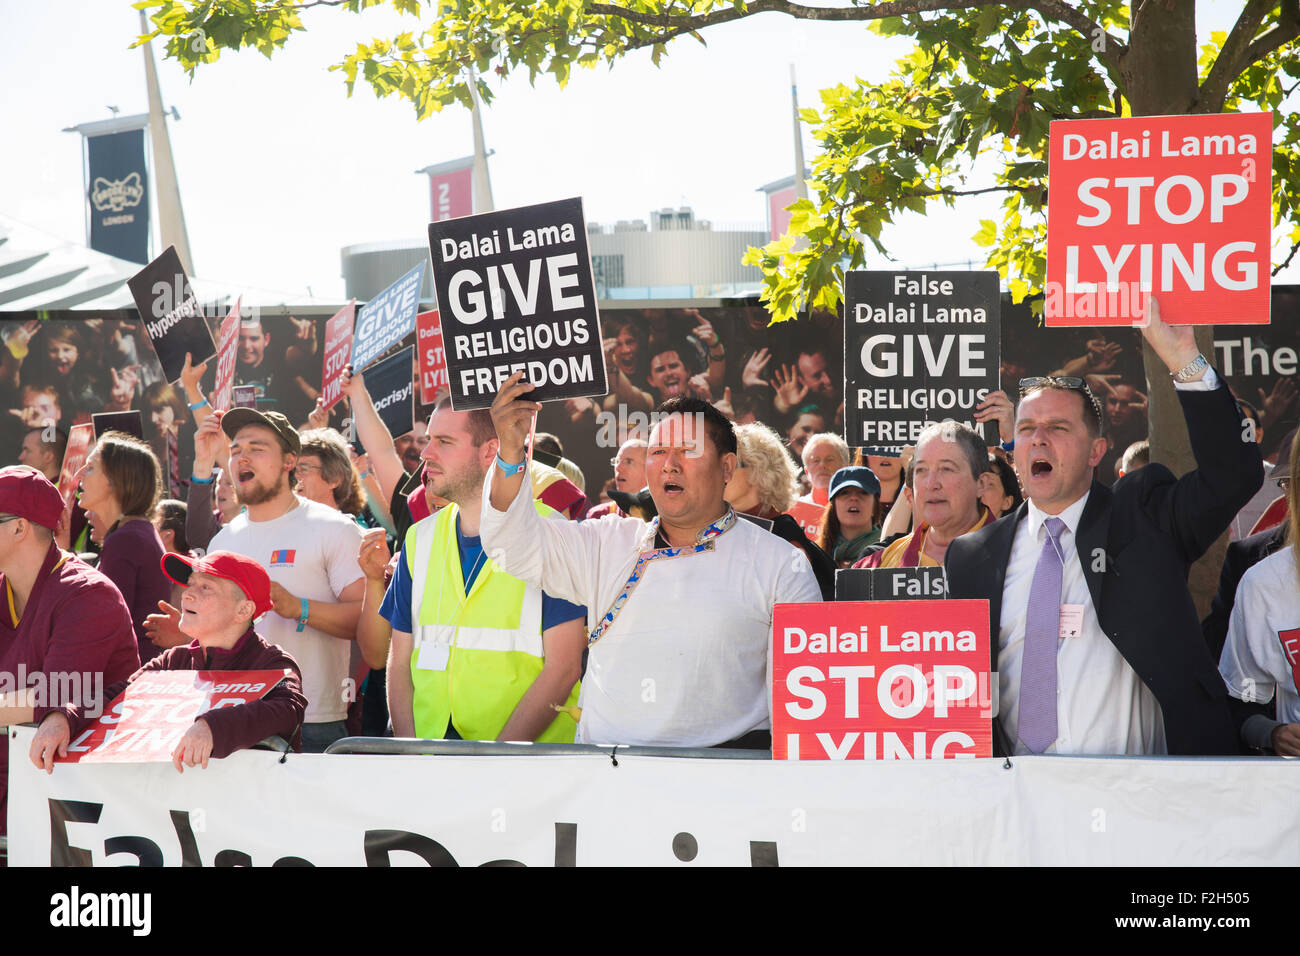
(1160, 74)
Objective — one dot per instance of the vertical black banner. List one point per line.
(919, 347)
(119, 195)
(391, 386)
(515, 293)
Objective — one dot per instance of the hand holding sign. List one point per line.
(51, 740)
(1175, 344)
(194, 748)
(191, 374)
(512, 416)
(210, 444)
(997, 407)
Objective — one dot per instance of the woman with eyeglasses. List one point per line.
(120, 483)
(1259, 660)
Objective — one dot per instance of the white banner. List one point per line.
(584, 810)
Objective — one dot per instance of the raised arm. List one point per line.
(375, 439)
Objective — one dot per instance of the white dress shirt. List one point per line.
(1102, 705)
(687, 660)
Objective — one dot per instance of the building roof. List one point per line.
(39, 271)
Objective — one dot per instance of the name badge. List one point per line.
(1071, 620)
(433, 657)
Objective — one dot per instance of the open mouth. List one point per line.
(854, 510)
(244, 476)
(1040, 467)
(672, 488)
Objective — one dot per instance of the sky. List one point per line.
(279, 169)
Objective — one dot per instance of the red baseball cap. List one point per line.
(26, 493)
(248, 575)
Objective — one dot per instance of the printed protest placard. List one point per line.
(227, 350)
(1178, 206)
(338, 352)
(171, 314)
(433, 360)
(80, 438)
(131, 422)
(881, 680)
(515, 293)
(391, 385)
(919, 347)
(890, 584)
(387, 318)
(148, 719)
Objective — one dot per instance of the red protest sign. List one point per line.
(1178, 206)
(144, 724)
(227, 349)
(433, 361)
(80, 438)
(338, 350)
(881, 680)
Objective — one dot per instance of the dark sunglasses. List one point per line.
(1071, 382)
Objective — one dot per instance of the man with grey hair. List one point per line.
(950, 473)
(824, 454)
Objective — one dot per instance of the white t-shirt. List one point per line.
(687, 661)
(310, 550)
(1261, 656)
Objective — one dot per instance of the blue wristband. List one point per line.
(195, 406)
(202, 481)
(511, 470)
(1009, 445)
(304, 611)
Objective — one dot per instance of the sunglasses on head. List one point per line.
(1072, 383)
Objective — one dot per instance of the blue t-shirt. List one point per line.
(396, 608)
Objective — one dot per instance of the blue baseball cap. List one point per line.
(854, 476)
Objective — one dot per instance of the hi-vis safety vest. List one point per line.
(488, 645)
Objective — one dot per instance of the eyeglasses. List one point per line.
(302, 467)
(1071, 382)
(616, 461)
(16, 517)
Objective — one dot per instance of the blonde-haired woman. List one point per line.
(764, 486)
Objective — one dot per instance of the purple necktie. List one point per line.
(1037, 718)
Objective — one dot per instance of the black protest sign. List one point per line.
(171, 314)
(131, 422)
(515, 293)
(890, 584)
(919, 347)
(391, 384)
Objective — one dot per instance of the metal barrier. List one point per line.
(493, 748)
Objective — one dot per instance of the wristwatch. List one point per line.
(1191, 369)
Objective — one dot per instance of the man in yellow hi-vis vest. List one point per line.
(475, 653)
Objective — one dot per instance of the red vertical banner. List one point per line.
(227, 349)
(1176, 206)
(778, 216)
(881, 680)
(338, 350)
(80, 438)
(433, 361)
(452, 194)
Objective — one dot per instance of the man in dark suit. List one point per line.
(1096, 643)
